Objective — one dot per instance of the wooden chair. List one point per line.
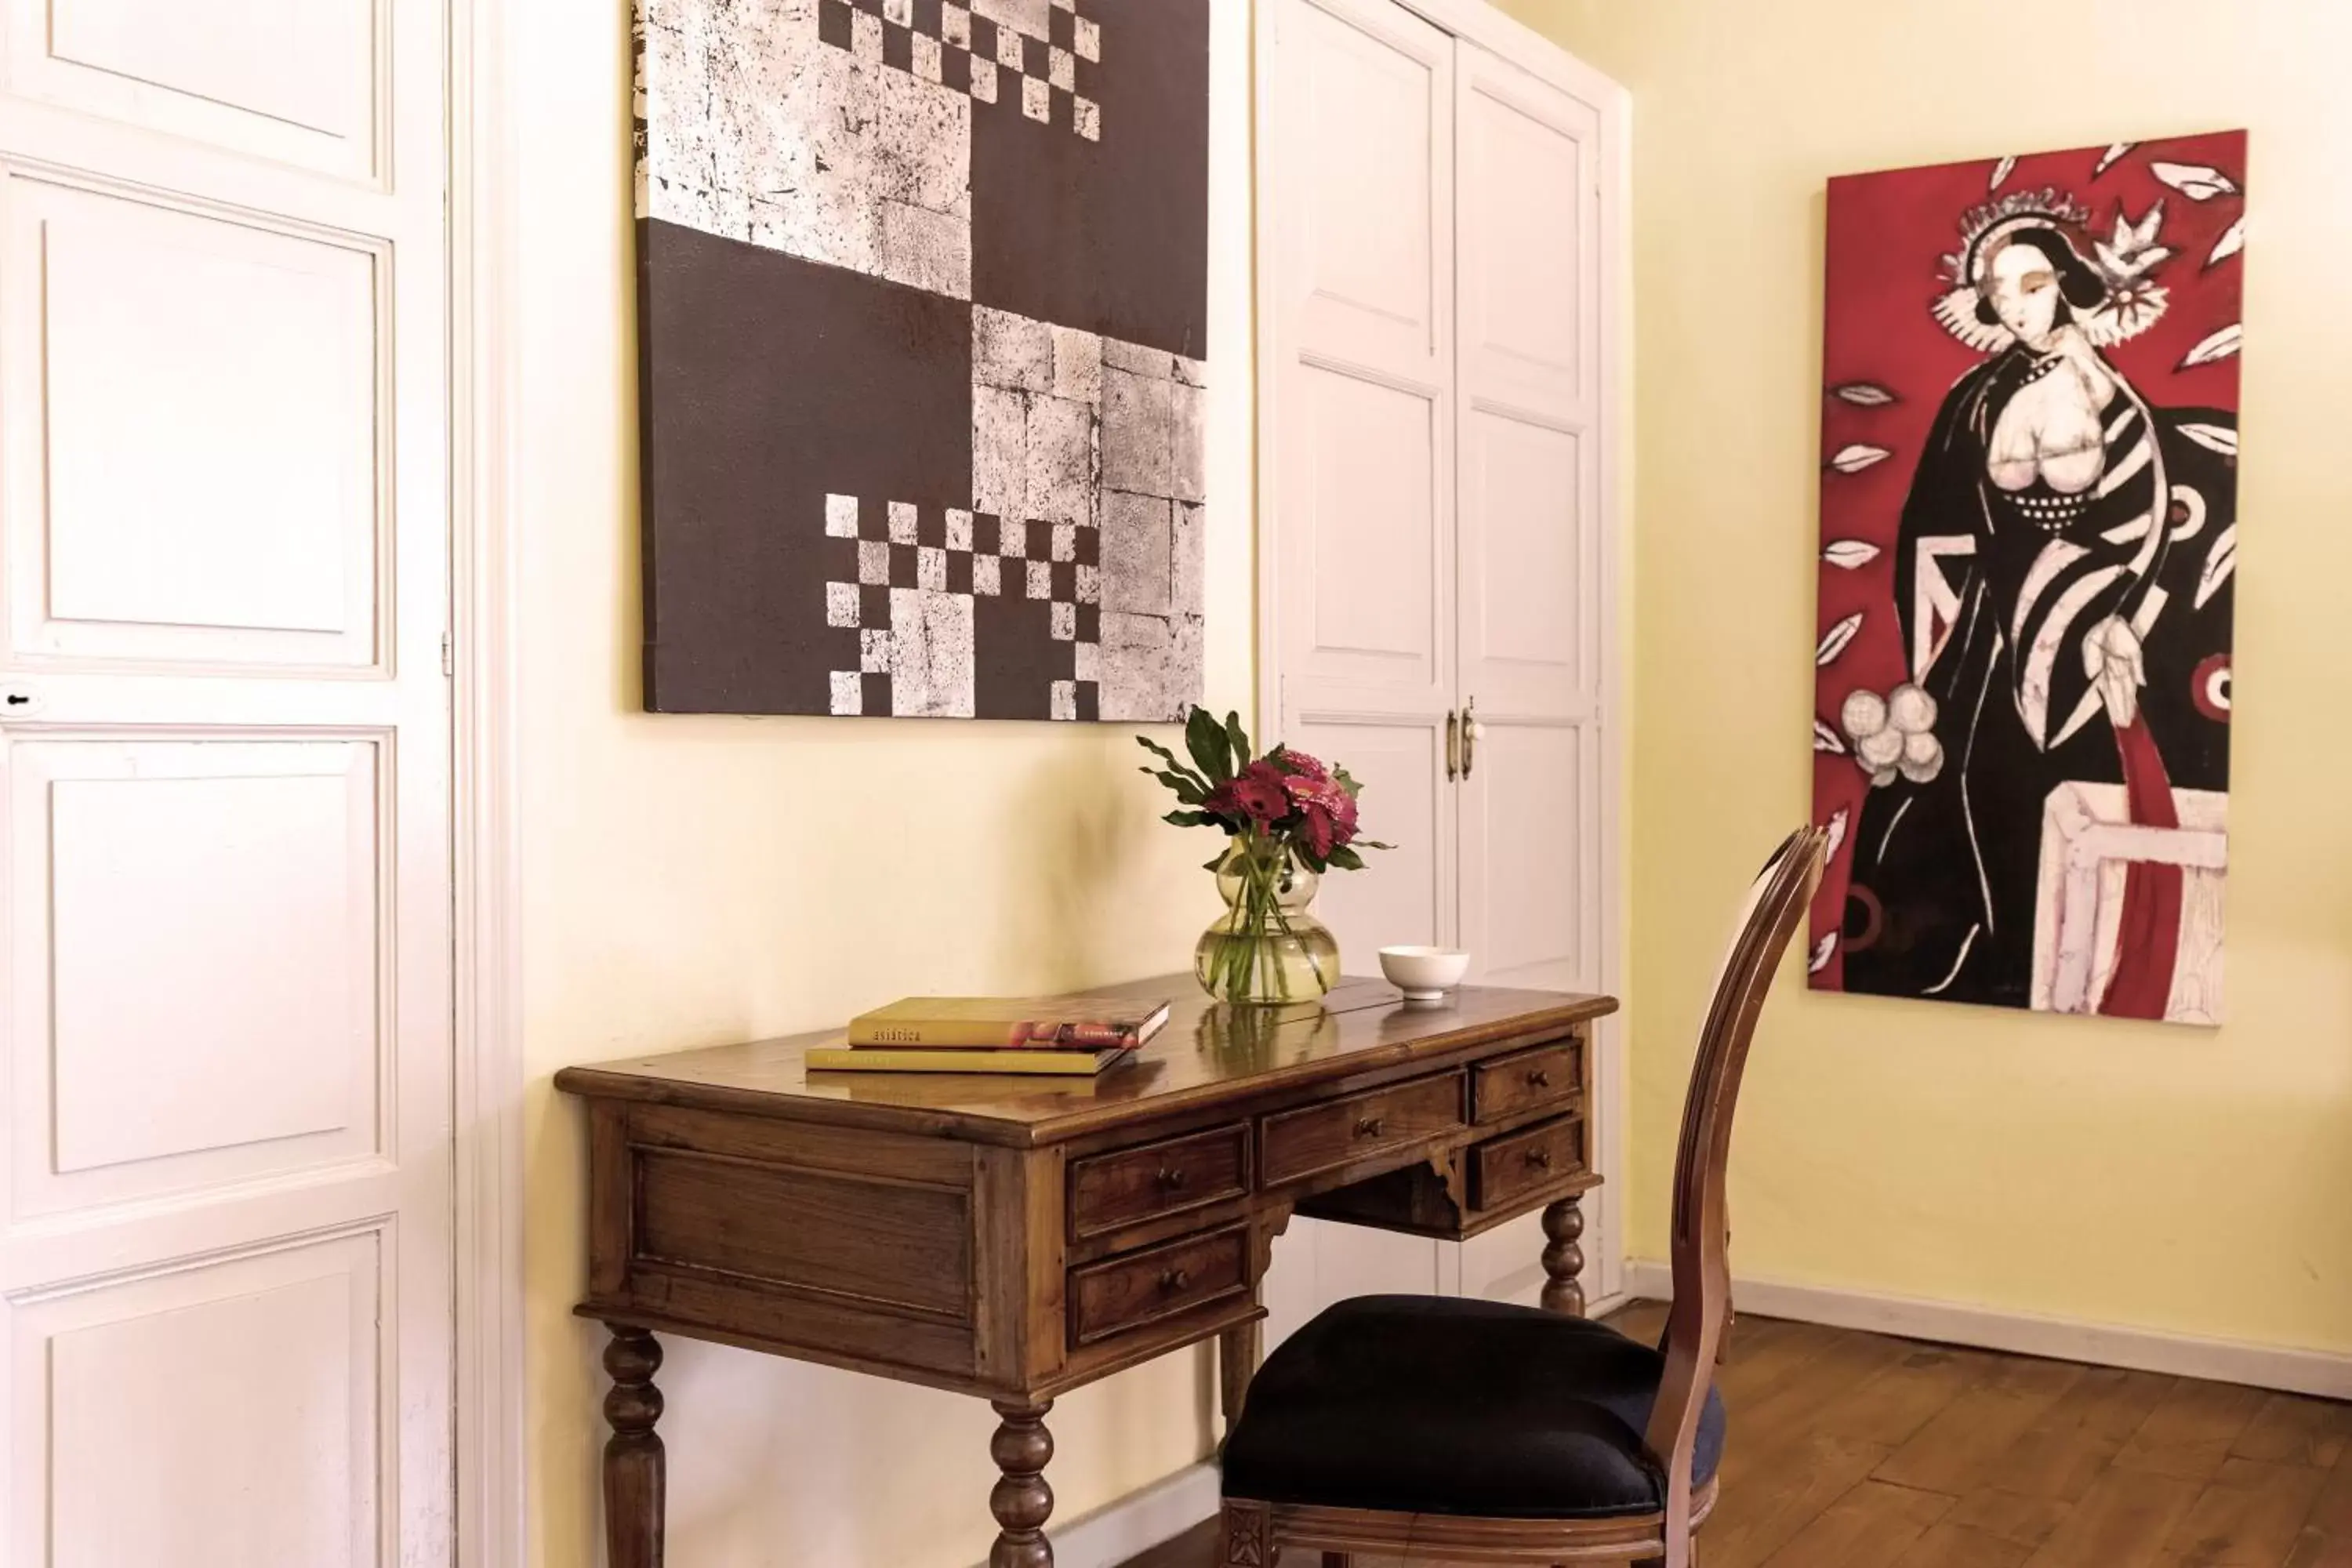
(1452, 1431)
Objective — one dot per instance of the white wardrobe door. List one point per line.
(1358, 114)
(1360, 449)
(1532, 570)
(224, 894)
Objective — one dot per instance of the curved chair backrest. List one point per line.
(1701, 1312)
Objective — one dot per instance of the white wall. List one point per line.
(688, 881)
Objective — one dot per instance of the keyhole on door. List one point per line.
(19, 700)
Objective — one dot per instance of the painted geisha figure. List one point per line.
(2063, 620)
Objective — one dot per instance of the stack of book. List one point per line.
(1077, 1035)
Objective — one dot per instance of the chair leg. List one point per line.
(1241, 1536)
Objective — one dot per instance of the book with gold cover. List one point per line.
(931, 1058)
(1012, 1022)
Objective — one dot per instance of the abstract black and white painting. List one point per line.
(923, 323)
(2028, 571)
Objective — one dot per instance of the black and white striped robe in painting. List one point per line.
(1996, 591)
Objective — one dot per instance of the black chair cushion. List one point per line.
(1430, 1405)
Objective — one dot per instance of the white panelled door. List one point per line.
(1531, 573)
(1358, 96)
(1434, 423)
(224, 860)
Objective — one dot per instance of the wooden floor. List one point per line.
(1854, 1451)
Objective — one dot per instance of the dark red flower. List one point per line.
(1260, 792)
(1257, 795)
(1320, 831)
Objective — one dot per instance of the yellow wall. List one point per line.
(696, 880)
(689, 881)
(2167, 1178)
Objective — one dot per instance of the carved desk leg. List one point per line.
(633, 1465)
(1563, 1259)
(1022, 1501)
(1239, 1350)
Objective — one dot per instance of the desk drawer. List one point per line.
(1122, 1293)
(1314, 1138)
(1547, 1075)
(1129, 1185)
(1502, 1169)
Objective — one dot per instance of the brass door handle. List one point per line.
(1471, 730)
(1452, 746)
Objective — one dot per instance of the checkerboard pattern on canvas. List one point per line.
(906, 547)
(925, 423)
(1052, 78)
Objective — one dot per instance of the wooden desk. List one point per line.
(1014, 1238)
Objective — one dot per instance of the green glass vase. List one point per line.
(1267, 947)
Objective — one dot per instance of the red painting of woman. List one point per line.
(2021, 732)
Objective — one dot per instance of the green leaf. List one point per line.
(1215, 865)
(1238, 737)
(1312, 862)
(1163, 753)
(1212, 749)
(1346, 860)
(1187, 818)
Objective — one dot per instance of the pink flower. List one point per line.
(1327, 813)
(1304, 767)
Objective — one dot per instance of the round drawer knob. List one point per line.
(1172, 1180)
(1175, 1280)
(1538, 1077)
(1540, 1158)
(1369, 1126)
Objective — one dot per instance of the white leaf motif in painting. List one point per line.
(2000, 172)
(1846, 554)
(1833, 641)
(1827, 740)
(2133, 252)
(2107, 160)
(1836, 835)
(2233, 240)
(2220, 562)
(1863, 395)
(1822, 951)
(2197, 182)
(1853, 458)
(2213, 437)
(2220, 347)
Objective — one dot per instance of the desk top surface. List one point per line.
(1207, 1053)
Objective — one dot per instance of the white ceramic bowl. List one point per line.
(1424, 973)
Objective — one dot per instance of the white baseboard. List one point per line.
(2327, 1374)
(1136, 1523)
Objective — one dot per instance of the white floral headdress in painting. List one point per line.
(2133, 303)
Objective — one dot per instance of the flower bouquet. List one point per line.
(1288, 820)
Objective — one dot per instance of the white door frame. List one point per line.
(489, 1187)
(1478, 23)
